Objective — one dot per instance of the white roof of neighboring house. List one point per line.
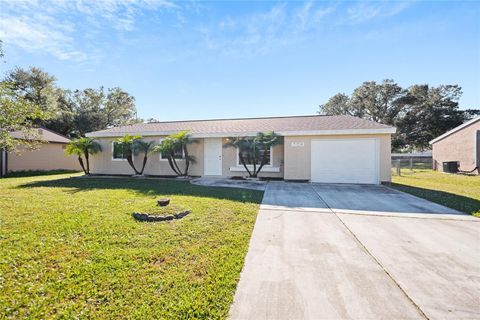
(296, 125)
(44, 134)
(456, 129)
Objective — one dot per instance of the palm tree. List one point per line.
(262, 141)
(173, 143)
(127, 142)
(83, 147)
(144, 147)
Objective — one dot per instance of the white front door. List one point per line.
(345, 161)
(213, 157)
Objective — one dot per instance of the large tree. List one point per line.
(73, 113)
(17, 114)
(97, 109)
(420, 112)
(36, 86)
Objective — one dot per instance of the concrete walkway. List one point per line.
(230, 183)
(358, 252)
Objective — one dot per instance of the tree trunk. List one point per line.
(144, 163)
(242, 161)
(254, 161)
(170, 162)
(264, 160)
(187, 160)
(180, 173)
(81, 164)
(88, 163)
(130, 162)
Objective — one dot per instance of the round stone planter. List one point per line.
(154, 217)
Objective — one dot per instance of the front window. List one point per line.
(248, 155)
(118, 152)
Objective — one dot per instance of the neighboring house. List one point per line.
(331, 149)
(49, 155)
(460, 144)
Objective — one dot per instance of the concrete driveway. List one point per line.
(358, 252)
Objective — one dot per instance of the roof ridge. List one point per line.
(252, 118)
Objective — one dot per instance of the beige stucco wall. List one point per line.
(229, 156)
(293, 162)
(48, 156)
(103, 163)
(297, 158)
(460, 146)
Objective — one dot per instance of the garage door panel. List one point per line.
(344, 161)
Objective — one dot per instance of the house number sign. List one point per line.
(298, 144)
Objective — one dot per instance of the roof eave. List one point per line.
(456, 129)
(388, 130)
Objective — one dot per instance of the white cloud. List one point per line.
(33, 36)
(51, 26)
(365, 11)
(261, 32)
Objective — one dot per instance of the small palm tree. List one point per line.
(140, 146)
(262, 141)
(175, 142)
(127, 142)
(83, 147)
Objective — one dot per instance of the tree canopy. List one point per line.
(73, 112)
(420, 112)
(17, 114)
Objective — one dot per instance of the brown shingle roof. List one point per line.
(44, 134)
(226, 127)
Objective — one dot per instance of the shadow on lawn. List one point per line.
(454, 201)
(151, 187)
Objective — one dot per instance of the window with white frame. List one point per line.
(118, 152)
(178, 154)
(248, 155)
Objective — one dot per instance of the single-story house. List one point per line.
(329, 149)
(460, 144)
(49, 154)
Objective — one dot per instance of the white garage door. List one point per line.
(345, 161)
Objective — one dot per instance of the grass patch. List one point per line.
(458, 192)
(69, 248)
(32, 173)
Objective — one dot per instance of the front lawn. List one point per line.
(459, 192)
(69, 248)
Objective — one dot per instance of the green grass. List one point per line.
(31, 173)
(69, 248)
(459, 192)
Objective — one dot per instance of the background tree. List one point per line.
(145, 147)
(85, 147)
(420, 112)
(170, 145)
(73, 113)
(36, 86)
(257, 150)
(127, 142)
(17, 114)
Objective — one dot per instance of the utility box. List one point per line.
(450, 166)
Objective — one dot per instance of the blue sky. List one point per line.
(200, 60)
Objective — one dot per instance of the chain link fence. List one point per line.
(408, 165)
